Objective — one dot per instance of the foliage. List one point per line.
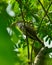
(14, 49)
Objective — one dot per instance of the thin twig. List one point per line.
(44, 10)
(44, 15)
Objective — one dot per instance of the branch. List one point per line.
(28, 49)
(43, 17)
(39, 58)
(45, 10)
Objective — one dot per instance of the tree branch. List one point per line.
(40, 56)
(45, 10)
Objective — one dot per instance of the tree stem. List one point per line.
(40, 57)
